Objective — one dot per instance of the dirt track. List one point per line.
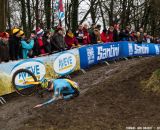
(111, 99)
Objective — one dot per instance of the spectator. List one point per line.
(14, 44)
(95, 36)
(4, 47)
(57, 40)
(26, 47)
(36, 49)
(110, 34)
(147, 38)
(104, 36)
(140, 37)
(116, 33)
(92, 28)
(98, 27)
(46, 41)
(86, 37)
(124, 34)
(41, 45)
(133, 36)
(80, 34)
(70, 39)
(5, 39)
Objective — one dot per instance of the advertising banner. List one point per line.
(128, 49)
(94, 54)
(51, 66)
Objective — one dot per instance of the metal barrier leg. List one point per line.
(83, 71)
(106, 62)
(126, 58)
(2, 100)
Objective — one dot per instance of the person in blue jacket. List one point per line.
(62, 89)
(26, 47)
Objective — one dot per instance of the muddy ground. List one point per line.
(112, 99)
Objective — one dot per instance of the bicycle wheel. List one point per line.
(19, 78)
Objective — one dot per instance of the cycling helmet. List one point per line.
(44, 83)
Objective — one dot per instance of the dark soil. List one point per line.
(111, 98)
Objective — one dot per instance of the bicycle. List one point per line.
(29, 84)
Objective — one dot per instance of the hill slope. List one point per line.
(111, 99)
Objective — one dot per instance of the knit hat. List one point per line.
(15, 31)
(4, 35)
(39, 31)
(21, 33)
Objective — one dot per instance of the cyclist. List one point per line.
(62, 89)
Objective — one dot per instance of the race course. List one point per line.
(112, 99)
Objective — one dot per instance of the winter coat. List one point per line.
(79, 36)
(140, 38)
(104, 37)
(4, 51)
(14, 47)
(26, 47)
(110, 36)
(47, 44)
(58, 43)
(115, 35)
(86, 39)
(36, 48)
(93, 38)
(70, 40)
(124, 36)
(41, 46)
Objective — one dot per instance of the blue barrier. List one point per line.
(94, 54)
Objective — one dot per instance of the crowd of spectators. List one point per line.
(15, 46)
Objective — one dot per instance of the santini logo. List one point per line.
(64, 63)
(141, 49)
(110, 52)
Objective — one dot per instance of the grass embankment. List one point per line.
(153, 83)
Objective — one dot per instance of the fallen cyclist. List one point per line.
(62, 89)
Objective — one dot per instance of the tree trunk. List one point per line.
(123, 16)
(47, 8)
(74, 15)
(92, 12)
(111, 13)
(3, 14)
(37, 13)
(9, 17)
(29, 16)
(102, 14)
(23, 15)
